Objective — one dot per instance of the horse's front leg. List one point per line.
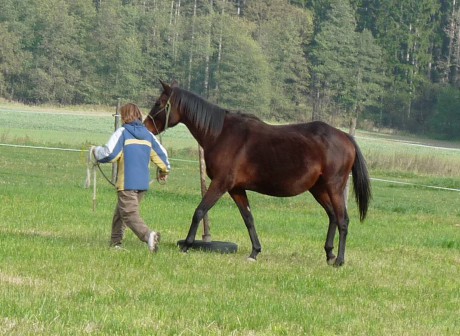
(241, 200)
(210, 198)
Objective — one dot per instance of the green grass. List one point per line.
(77, 130)
(410, 158)
(58, 276)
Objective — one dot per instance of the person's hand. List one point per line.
(162, 176)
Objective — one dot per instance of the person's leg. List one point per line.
(154, 237)
(128, 206)
(118, 227)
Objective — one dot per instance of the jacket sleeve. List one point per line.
(159, 156)
(112, 150)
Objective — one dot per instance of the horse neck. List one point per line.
(198, 134)
(203, 138)
(203, 119)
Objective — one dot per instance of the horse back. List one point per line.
(338, 150)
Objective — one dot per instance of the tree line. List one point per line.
(382, 63)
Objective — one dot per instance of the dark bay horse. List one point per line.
(244, 153)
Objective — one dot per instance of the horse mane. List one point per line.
(206, 116)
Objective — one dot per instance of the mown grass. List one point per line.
(70, 130)
(58, 276)
(78, 129)
(410, 159)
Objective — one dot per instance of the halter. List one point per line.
(167, 109)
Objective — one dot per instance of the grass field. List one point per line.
(58, 276)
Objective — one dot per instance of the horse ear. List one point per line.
(174, 84)
(166, 87)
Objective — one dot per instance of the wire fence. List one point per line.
(196, 161)
(101, 124)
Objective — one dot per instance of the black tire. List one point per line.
(213, 246)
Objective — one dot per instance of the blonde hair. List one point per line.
(130, 112)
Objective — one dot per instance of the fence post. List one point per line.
(206, 223)
(117, 125)
(347, 187)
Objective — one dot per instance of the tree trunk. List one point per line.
(192, 46)
(315, 115)
(239, 7)
(451, 32)
(353, 121)
(219, 54)
(206, 67)
(455, 63)
(352, 132)
(174, 17)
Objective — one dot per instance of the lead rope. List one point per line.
(89, 171)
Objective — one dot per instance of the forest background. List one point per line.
(387, 64)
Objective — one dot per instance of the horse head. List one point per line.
(163, 114)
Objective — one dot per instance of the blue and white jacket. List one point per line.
(133, 147)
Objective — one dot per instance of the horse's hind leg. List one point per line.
(322, 197)
(329, 245)
(340, 211)
(241, 200)
(334, 204)
(343, 231)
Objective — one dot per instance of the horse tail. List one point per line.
(361, 181)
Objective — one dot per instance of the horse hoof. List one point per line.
(338, 263)
(183, 248)
(331, 261)
(250, 259)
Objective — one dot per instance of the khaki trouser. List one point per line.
(127, 215)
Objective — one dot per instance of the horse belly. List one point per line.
(271, 163)
(284, 182)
